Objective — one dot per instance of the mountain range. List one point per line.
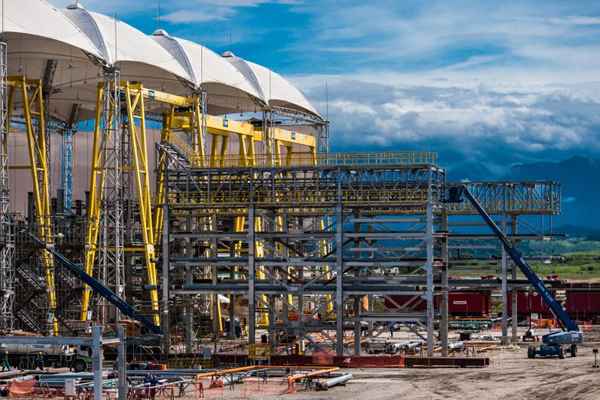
(580, 182)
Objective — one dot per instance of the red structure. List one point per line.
(469, 303)
(528, 303)
(460, 304)
(406, 302)
(583, 304)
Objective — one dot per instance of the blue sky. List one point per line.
(481, 82)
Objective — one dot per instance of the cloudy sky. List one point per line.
(481, 82)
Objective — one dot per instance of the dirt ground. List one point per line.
(510, 376)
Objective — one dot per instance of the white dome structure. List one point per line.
(228, 89)
(77, 46)
(277, 90)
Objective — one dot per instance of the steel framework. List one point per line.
(386, 203)
(7, 239)
(30, 94)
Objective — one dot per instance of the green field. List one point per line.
(576, 265)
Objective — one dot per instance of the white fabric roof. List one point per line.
(39, 18)
(209, 70)
(277, 90)
(82, 41)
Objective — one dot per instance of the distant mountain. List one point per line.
(469, 170)
(580, 181)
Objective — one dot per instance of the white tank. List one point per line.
(46, 349)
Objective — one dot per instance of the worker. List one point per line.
(5, 364)
(39, 361)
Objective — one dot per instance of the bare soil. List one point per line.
(510, 376)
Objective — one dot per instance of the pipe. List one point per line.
(338, 380)
(293, 378)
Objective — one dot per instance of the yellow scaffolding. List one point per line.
(31, 93)
(134, 95)
(184, 114)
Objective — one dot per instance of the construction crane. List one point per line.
(553, 342)
(99, 288)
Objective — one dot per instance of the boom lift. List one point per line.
(553, 342)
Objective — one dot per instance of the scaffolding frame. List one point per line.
(292, 202)
(7, 234)
(34, 115)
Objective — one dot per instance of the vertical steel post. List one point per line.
(504, 277)
(357, 299)
(339, 279)
(122, 363)
(515, 337)
(189, 316)
(165, 270)
(97, 360)
(429, 271)
(444, 300)
(251, 277)
(113, 230)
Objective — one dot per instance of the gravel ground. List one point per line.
(510, 376)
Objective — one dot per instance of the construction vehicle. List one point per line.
(553, 343)
(27, 356)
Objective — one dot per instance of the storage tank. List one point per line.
(46, 349)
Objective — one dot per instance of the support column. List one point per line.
(357, 299)
(251, 277)
(112, 250)
(97, 361)
(216, 314)
(165, 274)
(515, 336)
(339, 280)
(189, 312)
(444, 299)
(504, 277)
(429, 272)
(122, 363)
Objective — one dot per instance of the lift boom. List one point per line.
(99, 288)
(572, 334)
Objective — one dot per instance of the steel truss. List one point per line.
(106, 231)
(30, 95)
(302, 255)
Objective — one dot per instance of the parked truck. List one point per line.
(27, 357)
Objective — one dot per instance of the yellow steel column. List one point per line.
(213, 151)
(142, 179)
(33, 106)
(223, 152)
(97, 176)
(198, 134)
(161, 174)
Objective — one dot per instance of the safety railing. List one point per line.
(305, 159)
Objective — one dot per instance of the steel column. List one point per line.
(251, 277)
(444, 299)
(429, 271)
(504, 277)
(339, 279)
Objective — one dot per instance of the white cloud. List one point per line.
(189, 16)
(468, 120)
